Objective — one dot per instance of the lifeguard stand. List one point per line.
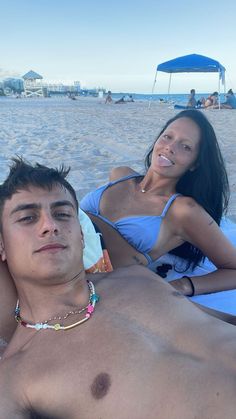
(32, 87)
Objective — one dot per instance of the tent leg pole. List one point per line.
(169, 85)
(154, 83)
(219, 89)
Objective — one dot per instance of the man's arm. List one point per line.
(7, 304)
(13, 398)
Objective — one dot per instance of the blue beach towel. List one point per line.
(222, 301)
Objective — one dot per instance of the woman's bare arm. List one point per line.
(120, 251)
(197, 227)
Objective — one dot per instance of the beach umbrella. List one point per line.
(193, 63)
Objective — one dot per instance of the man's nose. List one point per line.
(48, 225)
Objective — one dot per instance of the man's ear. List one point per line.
(2, 249)
(82, 238)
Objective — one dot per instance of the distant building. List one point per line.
(1, 89)
(13, 85)
(33, 86)
(60, 88)
(77, 86)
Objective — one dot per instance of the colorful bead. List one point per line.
(90, 309)
(57, 326)
(38, 326)
(95, 298)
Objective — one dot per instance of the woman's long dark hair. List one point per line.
(208, 184)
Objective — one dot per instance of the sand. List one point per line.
(92, 137)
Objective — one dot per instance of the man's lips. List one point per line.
(50, 247)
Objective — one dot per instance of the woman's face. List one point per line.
(176, 150)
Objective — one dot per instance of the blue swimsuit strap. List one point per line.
(114, 182)
(168, 204)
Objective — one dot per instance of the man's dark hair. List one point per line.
(22, 175)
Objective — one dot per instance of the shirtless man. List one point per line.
(192, 103)
(145, 351)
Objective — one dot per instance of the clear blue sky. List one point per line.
(117, 44)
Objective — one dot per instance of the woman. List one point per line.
(230, 102)
(176, 206)
(212, 101)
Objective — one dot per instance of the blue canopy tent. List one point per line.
(192, 63)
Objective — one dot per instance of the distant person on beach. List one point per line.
(192, 103)
(201, 102)
(108, 97)
(130, 99)
(212, 100)
(121, 100)
(85, 344)
(230, 102)
(176, 206)
(161, 100)
(71, 96)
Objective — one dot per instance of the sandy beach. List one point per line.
(92, 137)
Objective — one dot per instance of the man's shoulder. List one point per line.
(126, 279)
(132, 272)
(13, 357)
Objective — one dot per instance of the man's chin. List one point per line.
(51, 274)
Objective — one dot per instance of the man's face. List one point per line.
(41, 235)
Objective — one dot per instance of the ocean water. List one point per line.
(180, 98)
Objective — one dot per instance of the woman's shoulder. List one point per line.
(186, 207)
(121, 171)
(187, 217)
(185, 202)
(186, 211)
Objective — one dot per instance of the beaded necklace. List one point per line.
(93, 299)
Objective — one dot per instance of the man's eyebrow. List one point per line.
(62, 204)
(23, 207)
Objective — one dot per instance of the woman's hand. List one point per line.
(184, 285)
